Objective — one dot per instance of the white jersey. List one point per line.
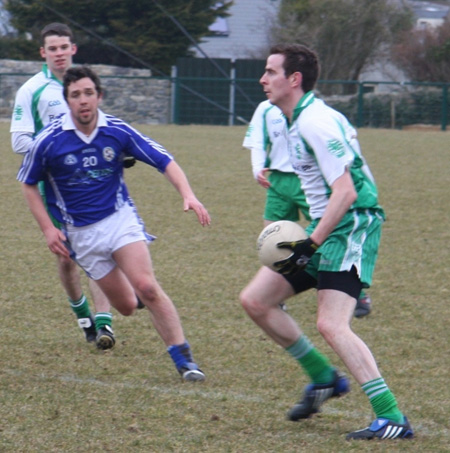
(38, 102)
(322, 144)
(266, 139)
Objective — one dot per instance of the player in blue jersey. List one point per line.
(272, 169)
(338, 257)
(38, 102)
(80, 156)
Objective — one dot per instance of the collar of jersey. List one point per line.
(49, 74)
(307, 99)
(69, 125)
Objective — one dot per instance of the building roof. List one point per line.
(429, 10)
(245, 33)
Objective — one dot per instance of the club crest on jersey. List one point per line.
(18, 112)
(70, 159)
(108, 154)
(336, 148)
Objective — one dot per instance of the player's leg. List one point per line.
(334, 316)
(335, 311)
(135, 262)
(105, 338)
(337, 294)
(97, 328)
(261, 298)
(69, 275)
(279, 202)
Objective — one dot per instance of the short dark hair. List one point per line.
(56, 29)
(298, 58)
(77, 73)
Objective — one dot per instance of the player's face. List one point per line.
(275, 84)
(58, 52)
(83, 100)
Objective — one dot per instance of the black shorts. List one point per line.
(348, 282)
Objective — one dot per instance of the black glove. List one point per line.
(302, 251)
(128, 162)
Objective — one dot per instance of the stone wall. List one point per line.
(130, 94)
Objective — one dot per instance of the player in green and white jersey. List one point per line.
(272, 169)
(338, 257)
(39, 101)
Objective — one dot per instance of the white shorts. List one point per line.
(92, 246)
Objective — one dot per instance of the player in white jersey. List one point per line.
(271, 166)
(338, 257)
(38, 102)
(81, 156)
(272, 169)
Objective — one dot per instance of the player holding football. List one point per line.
(272, 169)
(38, 102)
(81, 157)
(339, 256)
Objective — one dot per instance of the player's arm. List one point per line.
(258, 157)
(255, 141)
(54, 237)
(22, 122)
(21, 141)
(178, 179)
(342, 197)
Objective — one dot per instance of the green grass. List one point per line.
(59, 394)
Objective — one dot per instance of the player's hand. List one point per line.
(56, 242)
(129, 162)
(199, 209)
(262, 179)
(302, 251)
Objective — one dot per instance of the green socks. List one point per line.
(80, 307)
(102, 320)
(82, 311)
(318, 368)
(382, 400)
(315, 364)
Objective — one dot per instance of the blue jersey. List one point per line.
(84, 175)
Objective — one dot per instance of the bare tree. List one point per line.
(346, 34)
(425, 54)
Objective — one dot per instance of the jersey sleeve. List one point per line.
(254, 140)
(327, 140)
(147, 150)
(254, 137)
(22, 117)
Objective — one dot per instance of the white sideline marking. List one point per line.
(174, 390)
(426, 428)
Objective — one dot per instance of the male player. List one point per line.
(81, 157)
(338, 258)
(272, 169)
(38, 102)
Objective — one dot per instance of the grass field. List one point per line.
(59, 394)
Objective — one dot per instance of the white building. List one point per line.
(245, 33)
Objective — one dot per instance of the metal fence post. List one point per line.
(174, 95)
(232, 96)
(360, 111)
(444, 107)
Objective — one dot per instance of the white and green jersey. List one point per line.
(322, 144)
(266, 139)
(38, 102)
